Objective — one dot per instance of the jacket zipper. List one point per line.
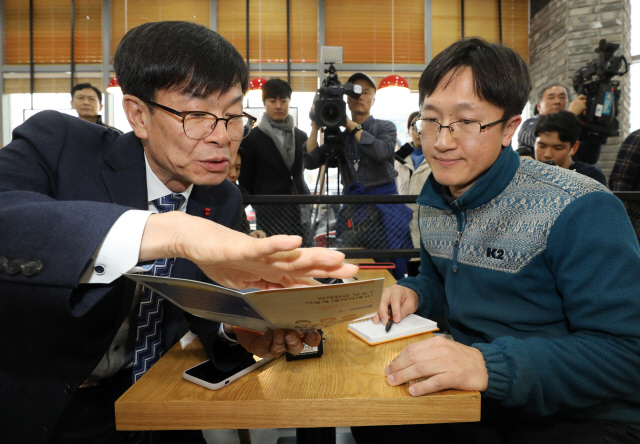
(461, 217)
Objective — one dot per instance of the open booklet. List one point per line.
(301, 308)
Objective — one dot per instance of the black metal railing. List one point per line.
(352, 224)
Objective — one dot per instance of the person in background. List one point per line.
(532, 265)
(86, 99)
(243, 223)
(554, 98)
(625, 175)
(557, 141)
(273, 164)
(369, 143)
(413, 171)
(366, 160)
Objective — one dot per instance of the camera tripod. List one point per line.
(333, 143)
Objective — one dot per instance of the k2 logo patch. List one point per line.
(495, 253)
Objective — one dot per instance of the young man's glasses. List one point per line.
(465, 129)
(199, 124)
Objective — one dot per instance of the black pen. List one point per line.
(389, 322)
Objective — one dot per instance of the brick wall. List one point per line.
(563, 37)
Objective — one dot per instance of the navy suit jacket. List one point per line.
(63, 183)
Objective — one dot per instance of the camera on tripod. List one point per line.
(330, 107)
(594, 81)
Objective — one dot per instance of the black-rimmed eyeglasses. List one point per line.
(199, 124)
(460, 130)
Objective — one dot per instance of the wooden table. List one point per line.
(344, 387)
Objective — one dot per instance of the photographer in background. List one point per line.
(557, 141)
(369, 143)
(272, 164)
(553, 98)
(367, 149)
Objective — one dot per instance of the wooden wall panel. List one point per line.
(515, 26)
(52, 31)
(364, 30)
(268, 31)
(145, 11)
(268, 36)
(88, 31)
(16, 32)
(481, 20)
(46, 85)
(304, 30)
(446, 24)
(232, 23)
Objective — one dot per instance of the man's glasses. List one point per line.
(465, 129)
(199, 124)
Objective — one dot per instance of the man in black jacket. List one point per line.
(273, 164)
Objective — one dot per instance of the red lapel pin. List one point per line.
(207, 211)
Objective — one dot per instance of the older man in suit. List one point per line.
(76, 333)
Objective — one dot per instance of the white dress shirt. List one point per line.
(118, 253)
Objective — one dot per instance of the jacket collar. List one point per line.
(492, 183)
(126, 180)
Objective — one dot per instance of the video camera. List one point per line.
(330, 107)
(594, 81)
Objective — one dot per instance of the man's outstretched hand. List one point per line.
(235, 260)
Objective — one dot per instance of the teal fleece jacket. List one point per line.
(538, 268)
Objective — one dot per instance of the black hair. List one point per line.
(412, 116)
(565, 123)
(501, 76)
(80, 86)
(179, 56)
(276, 89)
(525, 151)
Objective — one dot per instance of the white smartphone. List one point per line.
(206, 375)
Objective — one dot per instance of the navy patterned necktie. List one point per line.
(148, 345)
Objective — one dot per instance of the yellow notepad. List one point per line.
(374, 334)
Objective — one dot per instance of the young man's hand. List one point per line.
(402, 300)
(445, 363)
